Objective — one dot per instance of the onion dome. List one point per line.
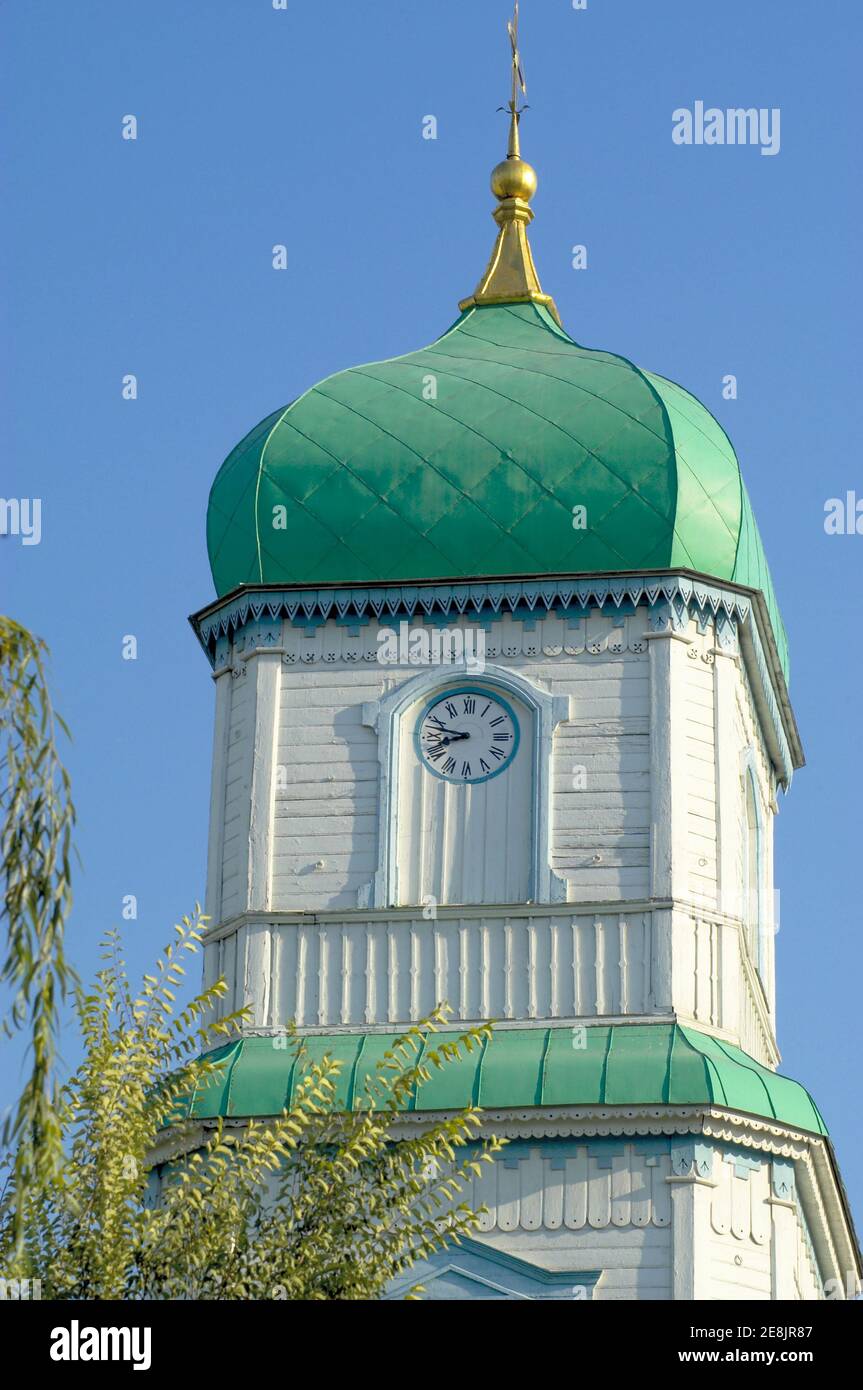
(504, 448)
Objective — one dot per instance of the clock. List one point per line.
(467, 735)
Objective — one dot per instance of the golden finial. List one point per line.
(511, 277)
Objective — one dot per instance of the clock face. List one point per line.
(467, 735)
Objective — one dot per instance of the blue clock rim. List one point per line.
(467, 690)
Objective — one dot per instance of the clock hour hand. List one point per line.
(444, 741)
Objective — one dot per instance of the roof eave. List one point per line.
(759, 607)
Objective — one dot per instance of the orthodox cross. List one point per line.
(517, 69)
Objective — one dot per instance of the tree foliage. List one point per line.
(311, 1204)
(36, 820)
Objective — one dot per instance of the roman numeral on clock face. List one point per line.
(467, 737)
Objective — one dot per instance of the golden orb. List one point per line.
(514, 179)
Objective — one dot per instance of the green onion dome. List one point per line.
(467, 459)
(502, 449)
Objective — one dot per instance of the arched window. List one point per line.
(465, 806)
(752, 875)
(459, 822)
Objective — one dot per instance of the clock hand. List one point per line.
(445, 742)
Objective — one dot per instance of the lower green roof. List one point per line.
(623, 1064)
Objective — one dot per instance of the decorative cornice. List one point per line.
(674, 598)
(818, 1188)
(395, 915)
(616, 1121)
(472, 598)
(777, 716)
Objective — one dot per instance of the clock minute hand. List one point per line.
(445, 741)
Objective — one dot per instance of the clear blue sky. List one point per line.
(304, 127)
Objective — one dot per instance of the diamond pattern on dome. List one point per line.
(708, 481)
(467, 458)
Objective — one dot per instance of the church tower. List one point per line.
(502, 719)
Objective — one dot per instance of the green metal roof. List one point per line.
(629, 1064)
(466, 459)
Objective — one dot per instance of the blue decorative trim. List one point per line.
(672, 600)
(473, 1269)
(691, 1158)
(567, 597)
(743, 1162)
(783, 1180)
(353, 624)
(309, 626)
(602, 1150)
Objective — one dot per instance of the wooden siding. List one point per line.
(644, 800)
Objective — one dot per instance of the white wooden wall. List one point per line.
(654, 1231)
(701, 767)
(757, 1247)
(327, 791)
(601, 830)
(238, 785)
(627, 1214)
(646, 802)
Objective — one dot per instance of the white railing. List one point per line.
(536, 963)
(357, 969)
(714, 983)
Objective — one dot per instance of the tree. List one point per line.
(312, 1204)
(36, 820)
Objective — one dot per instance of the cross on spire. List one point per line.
(510, 276)
(517, 69)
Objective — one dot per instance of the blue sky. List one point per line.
(304, 127)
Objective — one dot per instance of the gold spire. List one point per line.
(510, 276)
